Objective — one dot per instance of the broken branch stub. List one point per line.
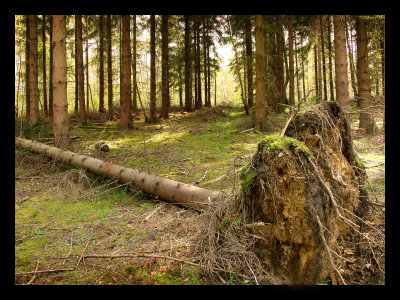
(166, 189)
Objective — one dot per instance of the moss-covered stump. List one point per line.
(287, 189)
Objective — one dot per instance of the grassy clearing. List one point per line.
(62, 213)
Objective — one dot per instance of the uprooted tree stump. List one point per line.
(304, 191)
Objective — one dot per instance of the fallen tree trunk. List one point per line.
(166, 189)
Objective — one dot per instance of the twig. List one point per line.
(293, 113)
(200, 179)
(34, 276)
(83, 253)
(154, 211)
(328, 250)
(44, 271)
(247, 130)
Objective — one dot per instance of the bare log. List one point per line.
(166, 189)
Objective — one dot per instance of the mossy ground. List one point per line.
(61, 212)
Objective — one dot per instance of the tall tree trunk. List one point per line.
(126, 100)
(291, 61)
(81, 80)
(51, 69)
(237, 64)
(319, 59)
(261, 95)
(349, 40)
(317, 88)
(165, 66)
(382, 49)
(87, 63)
(249, 60)
(76, 74)
(341, 76)
(44, 67)
(364, 83)
(280, 48)
(198, 95)
(188, 84)
(134, 54)
(272, 66)
(27, 77)
(323, 57)
(153, 117)
(180, 87)
(206, 87)
(208, 73)
(297, 68)
(60, 113)
(331, 87)
(33, 70)
(109, 68)
(196, 69)
(101, 62)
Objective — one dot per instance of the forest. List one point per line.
(199, 150)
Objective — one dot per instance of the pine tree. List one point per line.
(101, 64)
(81, 79)
(109, 68)
(33, 70)
(261, 95)
(165, 67)
(126, 102)
(60, 112)
(153, 117)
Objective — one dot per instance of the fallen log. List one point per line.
(168, 190)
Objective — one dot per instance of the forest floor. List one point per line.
(66, 219)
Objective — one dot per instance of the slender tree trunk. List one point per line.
(60, 113)
(188, 84)
(33, 70)
(206, 87)
(317, 88)
(261, 95)
(331, 87)
(323, 58)
(272, 91)
(76, 74)
(27, 77)
(341, 78)
(165, 66)
(109, 68)
(126, 91)
(280, 48)
(382, 49)
(87, 64)
(208, 73)
(249, 60)
(81, 80)
(297, 69)
(134, 54)
(196, 66)
(180, 87)
(351, 60)
(51, 69)
(291, 61)
(44, 67)
(101, 62)
(198, 96)
(364, 82)
(319, 59)
(153, 117)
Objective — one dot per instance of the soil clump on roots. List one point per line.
(304, 191)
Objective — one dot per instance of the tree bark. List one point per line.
(76, 73)
(87, 64)
(349, 40)
(168, 190)
(291, 62)
(33, 70)
(188, 84)
(280, 44)
(323, 58)
(44, 67)
(249, 61)
(341, 80)
(101, 64)
(153, 117)
(261, 95)
(364, 82)
(51, 69)
(81, 79)
(60, 112)
(165, 67)
(27, 83)
(109, 68)
(331, 87)
(126, 115)
(134, 88)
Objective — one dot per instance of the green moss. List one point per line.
(358, 162)
(276, 142)
(247, 176)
